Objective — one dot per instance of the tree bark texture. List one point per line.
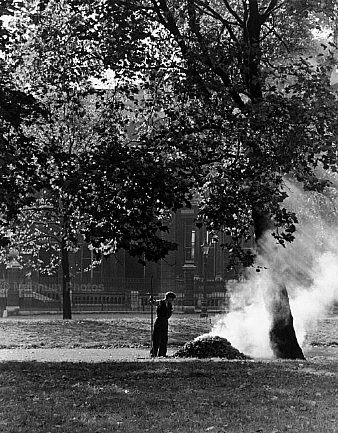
(66, 307)
(283, 339)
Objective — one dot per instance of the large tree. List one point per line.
(98, 182)
(216, 99)
(244, 96)
(55, 61)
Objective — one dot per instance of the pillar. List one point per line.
(14, 276)
(189, 285)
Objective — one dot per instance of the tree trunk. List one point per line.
(283, 339)
(67, 307)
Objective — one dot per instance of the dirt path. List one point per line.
(74, 355)
(77, 355)
(119, 354)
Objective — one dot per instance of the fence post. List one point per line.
(14, 276)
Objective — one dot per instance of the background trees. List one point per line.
(19, 153)
(55, 61)
(99, 180)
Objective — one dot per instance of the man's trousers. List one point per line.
(160, 337)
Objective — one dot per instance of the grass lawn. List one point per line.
(169, 396)
(100, 331)
(162, 396)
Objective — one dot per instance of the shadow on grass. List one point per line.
(170, 396)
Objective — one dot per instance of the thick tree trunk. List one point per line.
(283, 339)
(67, 308)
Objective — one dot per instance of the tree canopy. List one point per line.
(116, 113)
(244, 95)
(217, 100)
(18, 179)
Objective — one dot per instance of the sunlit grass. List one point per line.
(111, 332)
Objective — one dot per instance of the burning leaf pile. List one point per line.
(209, 347)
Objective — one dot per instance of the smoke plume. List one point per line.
(308, 267)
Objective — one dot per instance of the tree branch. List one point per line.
(158, 12)
(170, 24)
(273, 31)
(38, 238)
(225, 22)
(273, 5)
(233, 13)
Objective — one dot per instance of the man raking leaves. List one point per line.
(164, 309)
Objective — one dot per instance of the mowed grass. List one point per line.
(117, 330)
(100, 332)
(162, 395)
(169, 396)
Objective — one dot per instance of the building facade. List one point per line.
(198, 275)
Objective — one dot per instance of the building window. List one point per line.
(189, 242)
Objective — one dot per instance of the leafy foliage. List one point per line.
(244, 96)
(97, 181)
(19, 152)
(214, 100)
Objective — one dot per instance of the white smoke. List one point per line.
(310, 305)
(247, 324)
(308, 267)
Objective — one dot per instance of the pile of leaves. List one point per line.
(209, 347)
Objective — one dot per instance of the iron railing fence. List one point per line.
(41, 297)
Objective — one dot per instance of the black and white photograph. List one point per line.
(169, 216)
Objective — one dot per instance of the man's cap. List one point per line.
(170, 295)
